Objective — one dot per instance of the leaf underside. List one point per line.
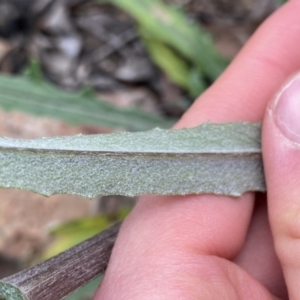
(212, 158)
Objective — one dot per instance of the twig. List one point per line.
(62, 274)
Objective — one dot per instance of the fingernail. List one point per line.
(287, 109)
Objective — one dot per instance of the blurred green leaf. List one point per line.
(87, 291)
(43, 99)
(33, 71)
(176, 68)
(170, 26)
(196, 83)
(74, 232)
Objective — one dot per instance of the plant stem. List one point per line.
(64, 273)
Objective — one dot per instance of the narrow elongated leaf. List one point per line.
(42, 99)
(212, 158)
(175, 67)
(170, 26)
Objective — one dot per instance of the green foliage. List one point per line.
(87, 291)
(32, 94)
(179, 46)
(176, 67)
(74, 232)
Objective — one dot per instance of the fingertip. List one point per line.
(281, 156)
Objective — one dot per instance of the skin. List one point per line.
(213, 247)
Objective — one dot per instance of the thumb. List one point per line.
(281, 155)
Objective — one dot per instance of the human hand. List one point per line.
(213, 247)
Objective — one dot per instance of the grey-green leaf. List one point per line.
(43, 99)
(211, 158)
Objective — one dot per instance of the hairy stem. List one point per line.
(64, 273)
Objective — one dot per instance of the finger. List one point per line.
(165, 236)
(281, 152)
(243, 90)
(271, 57)
(258, 256)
